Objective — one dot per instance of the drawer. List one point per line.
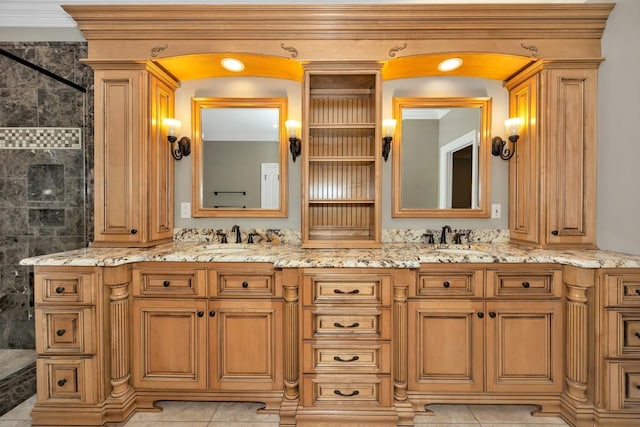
(360, 322)
(344, 288)
(352, 391)
(624, 385)
(170, 282)
(244, 282)
(448, 284)
(348, 357)
(624, 333)
(66, 380)
(622, 289)
(65, 288)
(524, 283)
(65, 330)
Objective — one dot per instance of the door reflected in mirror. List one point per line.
(441, 157)
(239, 157)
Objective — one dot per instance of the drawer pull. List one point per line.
(60, 290)
(480, 314)
(245, 284)
(340, 325)
(62, 382)
(166, 283)
(340, 291)
(340, 359)
(134, 231)
(446, 284)
(60, 332)
(212, 313)
(200, 314)
(353, 393)
(638, 291)
(525, 284)
(637, 334)
(492, 314)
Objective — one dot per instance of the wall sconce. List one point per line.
(295, 144)
(388, 128)
(179, 148)
(500, 147)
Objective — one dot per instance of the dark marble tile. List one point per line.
(43, 245)
(17, 387)
(18, 108)
(14, 307)
(13, 192)
(75, 223)
(13, 73)
(61, 59)
(17, 334)
(75, 192)
(13, 220)
(14, 248)
(46, 217)
(45, 182)
(60, 107)
(15, 279)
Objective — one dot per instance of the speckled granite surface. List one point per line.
(391, 255)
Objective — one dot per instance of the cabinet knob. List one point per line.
(492, 314)
(340, 359)
(480, 314)
(525, 284)
(555, 232)
(340, 325)
(353, 393)
(638, 335)
(62, 382)
(134, 231)
(638, 291)
(166, 283)
(200, 314)
(60, 332)
(245, 284)
(212, 313)
(446, 284)
(340, 291)
(60, 290)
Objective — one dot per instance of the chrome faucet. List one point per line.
(443, 236)
(236, 229)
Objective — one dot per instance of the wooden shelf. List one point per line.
(333, 126)
(342, 201)
(338, 159)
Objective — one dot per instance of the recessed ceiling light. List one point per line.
(232, 64)
(449, 64)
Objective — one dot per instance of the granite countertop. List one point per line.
(391, 255)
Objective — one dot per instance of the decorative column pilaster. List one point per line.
(118, 282)
(291, 319)
(400, 341)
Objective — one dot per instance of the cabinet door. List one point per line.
(524, 346)
(446, 346)
(169, 344)
(245, 345)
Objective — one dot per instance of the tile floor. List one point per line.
(227, 414)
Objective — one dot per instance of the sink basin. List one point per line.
(223, 249)
(470, 252)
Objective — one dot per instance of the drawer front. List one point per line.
(66, 380)
(169, 282)
(623, 289)
(624, 383)
(340, 289)
(328, 390)
(542, 283)
(448, 284)
(364, 322)
(624, 333)
(65, 330)
(239, 284)
(347, 357)
(65, 288)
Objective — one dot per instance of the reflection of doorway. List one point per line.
(458, 178)
(269, 186)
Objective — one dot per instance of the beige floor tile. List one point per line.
(179, 411)
(240, 424)
(447, 414)
(167, 424)
(520, 425)
(14, 423)
(243, 412)
(21, 412)
(511, 415)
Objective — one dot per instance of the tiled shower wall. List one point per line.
(45, 188)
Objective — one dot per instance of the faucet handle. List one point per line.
(223, 237)
(250, 237)
(430, 239)
(457, 238)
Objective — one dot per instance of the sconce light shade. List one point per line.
(181, 148)
(502, 148)
(388, 129)
(295, 144)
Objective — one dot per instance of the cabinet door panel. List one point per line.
(445, 346)
(169, 344)
(524, 346)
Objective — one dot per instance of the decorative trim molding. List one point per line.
(41, 138)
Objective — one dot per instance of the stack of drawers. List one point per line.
(622, 329)
(66, 339)
(346, 339)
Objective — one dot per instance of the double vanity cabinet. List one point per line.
(321, 342)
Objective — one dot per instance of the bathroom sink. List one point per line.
(455, 251)
(224, 249)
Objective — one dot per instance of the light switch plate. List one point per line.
(185, 210)
(496, 210)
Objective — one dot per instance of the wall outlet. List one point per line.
(496, 210)
(185, 210)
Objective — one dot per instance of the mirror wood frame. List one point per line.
(198, 210)
(484, 158)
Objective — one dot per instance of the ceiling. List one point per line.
(49, 14)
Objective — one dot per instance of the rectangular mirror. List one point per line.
(239, 157)
(441, 157)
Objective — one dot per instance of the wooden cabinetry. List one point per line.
(475, 329)
(552, 175)
(341, 156)
(133, 163)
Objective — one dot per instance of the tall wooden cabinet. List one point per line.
(552, 174)
(341, 155)
(133, 163)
